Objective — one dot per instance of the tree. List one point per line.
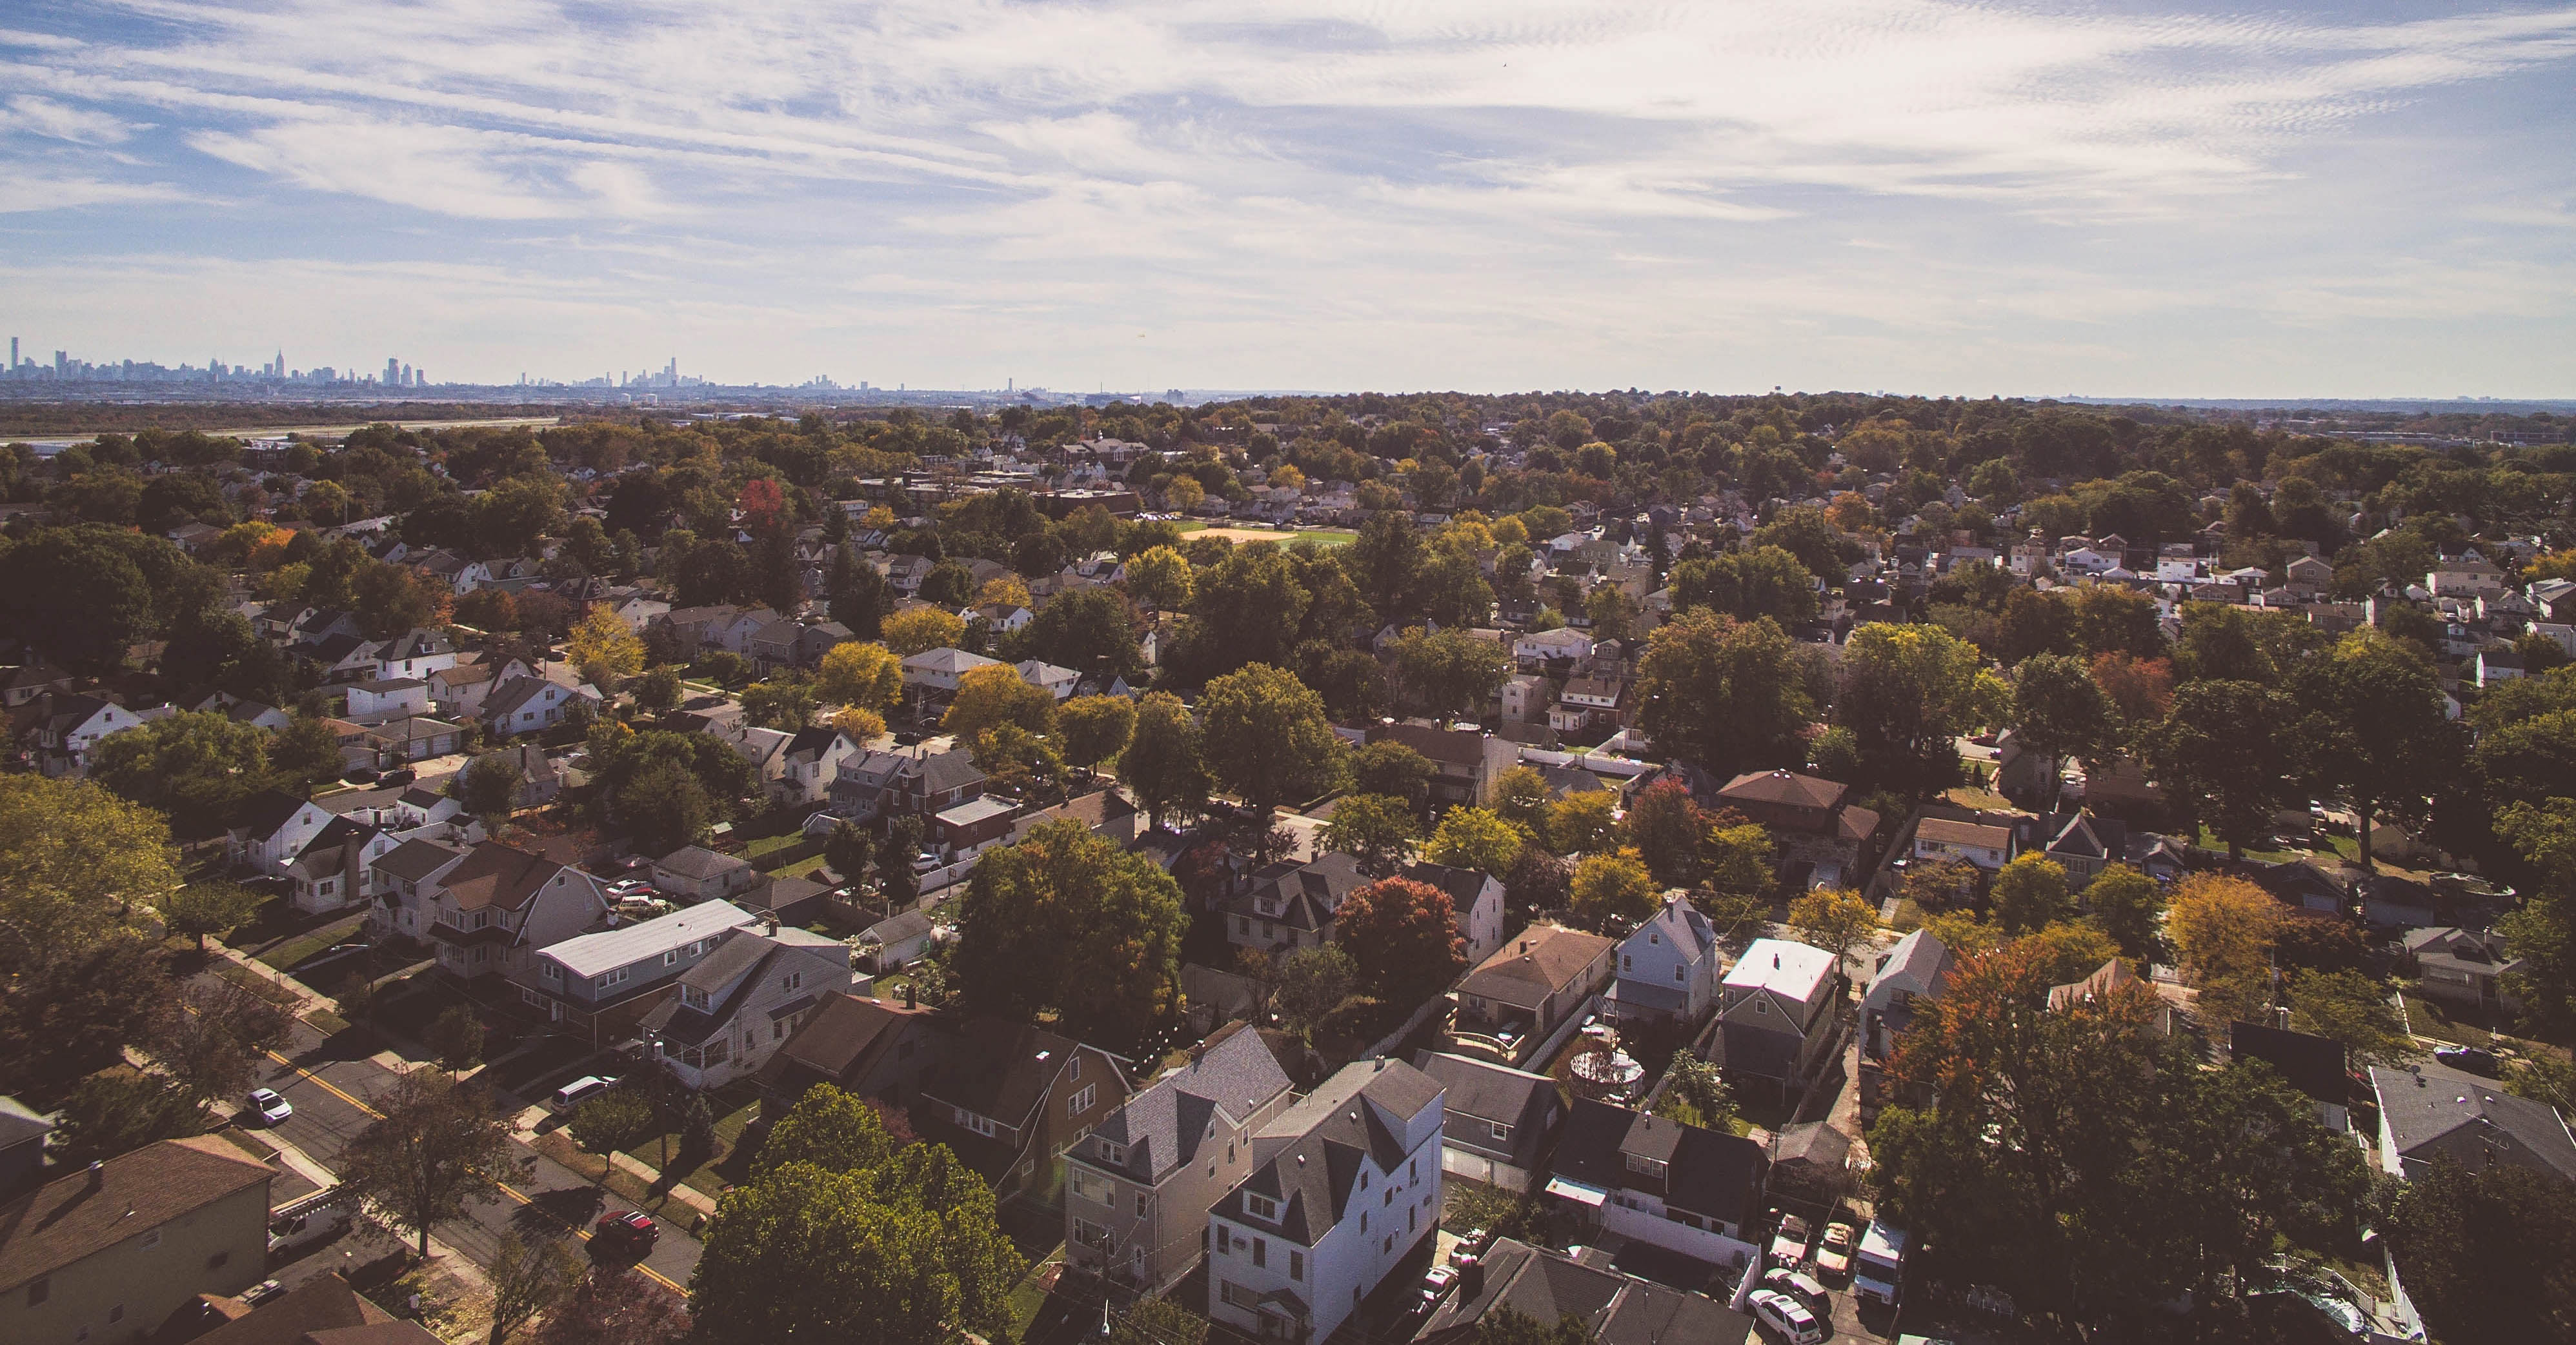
(1668, 829)
(1385, 560)
(304, 754)
(1836, 920)
(828, 1128)
(898, 883)
(2349, 1007)
(391, 599)
(1722, 692)
(616, 1307)
(2059, 710)
(1520, 794)
(489, 787)
(1764, 581)
(2541, 932)
(120, 1110)
(216, 908)
(605, 648)
(1446, 672)
(1159, 578)
(436, 1145)
(1095, 728)
(1508, 1325)
(1377, 828)
(212, 1036)
(609, 1122)
(1266, 737)
(921, 630)
(1475, 838)
(848, 851)
(1695, 1094)
(457, 1037)
(1090, 630)
(2142, 689)
(785, 703)
(859, 597)
(1907, 693)
(657, 691)
(663, 807)
(2375, 730)
(1613, 888)
(1161, 764)
(2487, 1254)
(80, 594)
(1157, 1321)
(996, 694)
(2029, 894)
(902, 1249)
(2218, 757)
(527, 1279)
(1068, 920)
(196, 767)
(2129, 906)
(861, 674)
(2223, 929)
(1312, 983)
(1391, 768)
(1404, 936)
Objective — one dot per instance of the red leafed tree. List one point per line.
(616, 1308)
(1404, 936)
(1667, 827)
(2142, 688)
(762, 505)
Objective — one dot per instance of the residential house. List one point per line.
(2464, 967)
(1139, 1186)
(1054, 680)
(67, 727)
(323, 1310)
(1499, 1124)
(398, 742)
(1548, 1286)
(540, 778)
(602, 984)
(1546, 646)
(23, 684)
(2467, 575)
(972, 826)
(1107, 812)
(1290, 905)
(486, 910)
(461, 690)
(272, 828)
(696, 873)
(334, 870)
(859, 1045)
(2317, 1066)
(1517, 998)
(898, 941)
(415, 653)
(1587, 704)
(1987, 845)
(742, 1001)
(1916, 970)
(810, 763)
(1648, 1179)
(764, 750)
(23, 1131)
(1776, 1011)
(2078, 842)
(1010, 1098)
(1818, 835)
(909, 781)
(111, 1253)
(2111, 978)
(1667, 968)
(1475, 902)
(1343, 1185)
(2431, 1112)
(937, 670)
(378, 699)
(1467, 764)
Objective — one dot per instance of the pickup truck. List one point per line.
(1789, 1248)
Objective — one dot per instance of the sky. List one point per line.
(2123, 199)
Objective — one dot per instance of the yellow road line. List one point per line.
(327, 1085)
(584, 1234)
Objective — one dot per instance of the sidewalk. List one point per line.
(306, 1000)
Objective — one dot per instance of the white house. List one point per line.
(532, 704)
(415, 653)
(1343, 1185)
(1776, 1010)
(273, 828)
(939, 669)
(1048, 677)
(1938, 838)
(1667, 968)
(381, 698)
(738, 1005)
(1475, 902)
(1561, 643)
(67, 727)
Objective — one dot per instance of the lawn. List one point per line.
(286, 954)
(1328, 536)
(255, 983)
(803, 868)
(755, 849)
(2428, 1020)
(729, 1128)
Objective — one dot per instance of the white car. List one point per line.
(271, 1108)
(1786, 1317)
(1797, 1285)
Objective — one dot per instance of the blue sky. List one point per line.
(2109, 200)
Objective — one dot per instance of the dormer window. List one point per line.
(1261, 1207)
(693, 997)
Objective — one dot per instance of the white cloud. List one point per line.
(59, 121)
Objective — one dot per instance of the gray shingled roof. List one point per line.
(1162, 1127)
(2434, 1111)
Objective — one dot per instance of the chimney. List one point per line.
(97, 1174)
(1198, 1052)
(773, 924)
(907, 995)
(1775, 962)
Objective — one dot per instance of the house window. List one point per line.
(1761, 1005)
(1502, 1133)
(1681, 973)
(1074, 1069)
(1140, 1204)
(1296, 1264)
(1082, 1101)
(1261, 1252)
(793, 980)
(40, 1290)
(671, 958)
(1261, 1207)
(719, 1051)
(1236, 1296)
(1627, 963)
(617, 977)
(981, 1125)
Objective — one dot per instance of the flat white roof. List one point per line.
(1782, 967)
(609, 949)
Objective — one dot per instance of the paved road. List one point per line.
(331, 1092)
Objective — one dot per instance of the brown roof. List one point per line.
(1949, 831)
(843, 1032)
(67, 1219)
(1785, 788)
(1459, 747)
(2108, 977)
(497, 875)
(323, 1304)
(997, 1068)
(1544, 958)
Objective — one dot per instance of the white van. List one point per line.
(581, 1090)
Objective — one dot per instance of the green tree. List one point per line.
(1668, 829)
(1520, 794)
(848, 851)
(489, 787)
(79, 594)
(996, 694)
(1161, 765)
(1312, 983)
(1066, 919)
(831, 1129)
(2541, 932)
(663, 807)
(1249, 609)
(2487, 1254)
(457, 1037)
(195, 767)
(785, 703)
(1907, 694)
(1613, 888)
(1265, 736)
(898, 883)
(1695, 1094)
(2059, 710)
(2129, 906)
(1404, 936)
(1764, 581)
(304, 754)
(1508, 1325)
(656, 691)
(527, 1279)
(609, 1122)
(1835, 920)
(1391, 768)
(1385, 561)
(2030, 893)
(1160, 578)
(2219, 758)
(859, 596)
(1475, 838)
(1449, 672)
(1724, 693)
(216, 908)
(436, 1145)
(120, 1110)
(2374, 730)
(1095, 728)
(1377, 828)
(1090, 630)
(2350, 1008)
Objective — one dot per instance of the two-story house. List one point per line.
(1009, 1098)
(532, 704)
(1475, 901)
(603, 983)
(67, 727)
(743, 1000)
(378, 699)
(1292, 906)
(1819, 836)
(810, 763)
(111, 1253)
(1776, 1011)
(485, 910)
(334, 869)
(696, 873)
(415, 653)
(1515, 1000)
(1667, 968)
(1545, 646)
(270, 830)
(2432, 1113)
(874, 1048)
(1987, 845)
(1499, 1124)
(936, 671)
(1913, 972)
(1647, 1179)
(1138, 1187)
(2466, 967)
(1343, 1185)
(1467, 764)
(911, 781)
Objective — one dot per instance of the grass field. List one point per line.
(1328, 536)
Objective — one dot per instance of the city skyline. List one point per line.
(2131, 198)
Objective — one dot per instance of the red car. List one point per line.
(627, 1232)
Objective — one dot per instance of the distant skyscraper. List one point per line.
(393, 371)
(13, 354)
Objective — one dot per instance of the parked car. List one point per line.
(1789, 1248)
(1800, 1286)
(262, 1292)
(624, 1233)
(2472, 1059)
(363, 775)
(1834, 1253)
(290, 1234)
(269, 1107)
(1435, 1286)
(581, 1090)
(1469, 1246)
(399, 776)
(1785, 1317)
